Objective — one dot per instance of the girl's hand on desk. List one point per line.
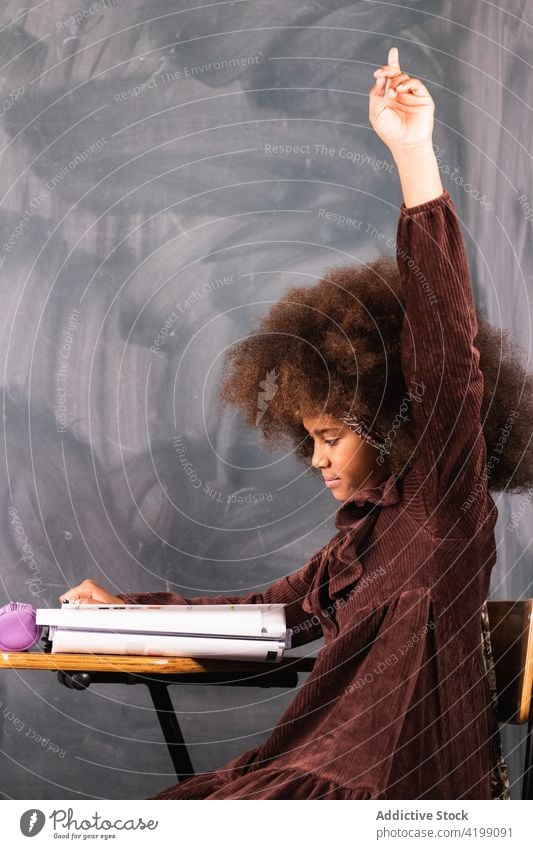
(401, 108)
(88, 592)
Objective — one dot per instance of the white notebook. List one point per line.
(224, 631)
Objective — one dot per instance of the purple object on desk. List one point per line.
(18, 630)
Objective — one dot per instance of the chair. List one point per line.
(511, 638)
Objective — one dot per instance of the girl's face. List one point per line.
(347, 462)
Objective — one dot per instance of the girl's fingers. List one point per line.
(392, 65)
(389, 74)
(405, 98)
(393, 57)
(412, 87)
(401, 84)
(387, 70)
(82, 592)
(394, 82)
(379, 86)
(82, 597)
(73, 596)
(410, 84)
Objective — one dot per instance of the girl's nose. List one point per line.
(319, 460)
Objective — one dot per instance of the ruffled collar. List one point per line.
(383, 494)
(341, 564)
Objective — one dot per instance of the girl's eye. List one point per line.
(333, 441)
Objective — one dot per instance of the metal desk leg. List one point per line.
(176, 745)
(527, 780)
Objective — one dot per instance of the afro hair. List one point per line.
(334, 347)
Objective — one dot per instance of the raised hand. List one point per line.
(401, 108)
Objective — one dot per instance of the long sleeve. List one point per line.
(290, 591)
(440, 365)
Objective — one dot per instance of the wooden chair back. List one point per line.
(511, 637)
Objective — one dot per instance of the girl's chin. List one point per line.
(341, 492)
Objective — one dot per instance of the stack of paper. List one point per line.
(225, 631)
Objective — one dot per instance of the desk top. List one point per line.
(137, 663)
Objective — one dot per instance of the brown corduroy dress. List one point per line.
(398, 703)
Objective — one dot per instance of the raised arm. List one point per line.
(440, 362)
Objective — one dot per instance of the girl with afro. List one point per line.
(394, 388)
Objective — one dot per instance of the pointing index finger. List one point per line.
(393, 57)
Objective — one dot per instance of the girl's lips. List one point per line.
(332, 482)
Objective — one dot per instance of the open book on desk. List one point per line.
(224, 631)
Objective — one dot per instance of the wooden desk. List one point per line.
(79, 671)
